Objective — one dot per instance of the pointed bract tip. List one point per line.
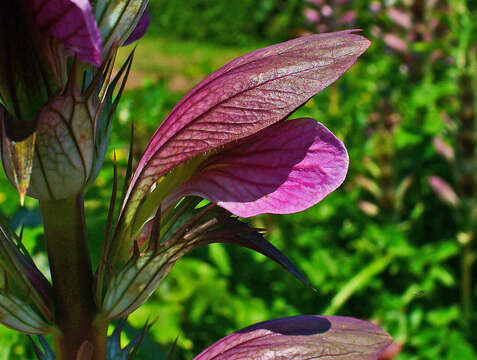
(362, 42)
(22, 194)
(359, 41)
(19, 156)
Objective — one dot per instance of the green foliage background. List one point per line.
(398, 262)
(227, 22)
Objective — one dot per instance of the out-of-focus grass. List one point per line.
(184, 63)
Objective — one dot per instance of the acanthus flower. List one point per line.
(228, 141)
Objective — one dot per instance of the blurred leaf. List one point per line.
(459, 348)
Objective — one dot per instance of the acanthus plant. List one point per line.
(228, 141)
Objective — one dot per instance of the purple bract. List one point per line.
(283, 168)
(302, 338)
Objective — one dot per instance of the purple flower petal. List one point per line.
(140, 29)
(71, 22)
(243, 97)
(302, 338)
(283, 169)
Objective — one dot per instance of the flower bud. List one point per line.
(67, 149)
(64, 148)
(117, 19)
(26, 77)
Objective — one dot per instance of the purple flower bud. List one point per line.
(23, 87)
(348, 17)
(400, 18)
(63, 151)
(312, 16)
(375, 7)
(395, 43)
(326, 11)
(444, 191)
(69, 143)
(72, 23)
(443, 149)
(36, 36)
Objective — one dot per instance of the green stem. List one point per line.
(466, 282)
(70, 265)
(357, 282)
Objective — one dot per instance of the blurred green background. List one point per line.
(394, 244)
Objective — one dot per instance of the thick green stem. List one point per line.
(70, 265)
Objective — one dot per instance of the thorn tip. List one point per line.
(22, 193)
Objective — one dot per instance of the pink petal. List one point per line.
(283, 169)
(312, 16)
(395, 42)
(348, 17)
(243, 97)
(400, 18)
(302, 338)
(72, 22)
